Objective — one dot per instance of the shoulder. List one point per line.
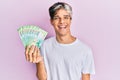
(84, 47)
(48, 41)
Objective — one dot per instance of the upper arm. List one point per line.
(88, 63)
(85, 76)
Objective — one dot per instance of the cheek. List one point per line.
(54, 26)
(69, 22)
(53, 23)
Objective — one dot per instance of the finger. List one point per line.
(37, 55)
(27, 52)
(34, 54)
(31, 50)
(38, 52)
(39, 59)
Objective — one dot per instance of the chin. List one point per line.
(62, 34)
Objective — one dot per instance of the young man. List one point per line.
(62, 57)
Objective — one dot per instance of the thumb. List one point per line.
(39, 59)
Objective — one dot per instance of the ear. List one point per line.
(51, 21)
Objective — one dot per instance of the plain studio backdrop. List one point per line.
(95, 22)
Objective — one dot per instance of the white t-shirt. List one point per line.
(66, 61)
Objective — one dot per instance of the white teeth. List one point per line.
(62, 27)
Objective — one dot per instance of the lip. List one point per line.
(62, 27)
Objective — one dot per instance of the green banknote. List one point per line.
(32, 35)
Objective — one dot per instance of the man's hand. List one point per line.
(32, 54)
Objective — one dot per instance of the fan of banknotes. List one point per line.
(32, 35)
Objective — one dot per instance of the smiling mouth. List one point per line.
(62, 27)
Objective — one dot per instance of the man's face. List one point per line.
(61, 22)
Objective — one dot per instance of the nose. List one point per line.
(61, 20)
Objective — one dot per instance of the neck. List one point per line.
(66, 39)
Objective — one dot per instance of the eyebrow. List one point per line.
(63, 15)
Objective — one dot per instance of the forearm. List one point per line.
(41, 71)
(85, 76)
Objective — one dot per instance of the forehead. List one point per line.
(62, 12)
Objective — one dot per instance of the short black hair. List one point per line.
(57, 6)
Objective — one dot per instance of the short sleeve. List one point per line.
(42, 50)
(88, 64)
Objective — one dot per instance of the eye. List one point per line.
(55, 18)
(66, 17)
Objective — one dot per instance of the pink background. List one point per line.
(95, 22)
